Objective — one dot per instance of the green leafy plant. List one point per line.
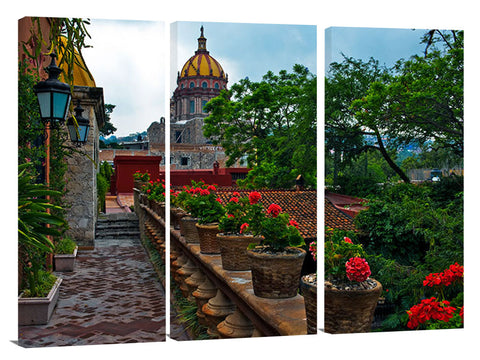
(35, 225)
(242, 214)
(278, 231)
(339, 250)
(155, 190)
(65, 245)
(203, 203)
(137, 175)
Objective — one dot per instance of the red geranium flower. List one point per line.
(348, 240)
(293, 223)
(234, 199)
(274, 209)
(254, 197)
(357, 269)
(243, 227)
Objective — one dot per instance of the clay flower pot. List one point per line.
(350, 311)
(189, 230)
(233, 250)
(308, 289)
(207, 234)
(276, 276)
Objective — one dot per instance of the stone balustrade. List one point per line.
(225, 300)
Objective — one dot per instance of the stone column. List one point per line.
(81, 175)
(216, 310)
(204, 292)
(235, 325)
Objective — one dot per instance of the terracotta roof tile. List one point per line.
(336, 219)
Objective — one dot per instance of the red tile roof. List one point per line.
(348, 204)
(336, 219)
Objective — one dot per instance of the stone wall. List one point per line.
(81, 194)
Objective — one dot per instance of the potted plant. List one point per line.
(38, 288)
(276, 262)
(242, 214)
(140, 179)
(155, 192)
(176, 210)
(65, 254)
(351, 296)
(308, 289)
(207, 207)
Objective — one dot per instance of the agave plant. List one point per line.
(35, 224)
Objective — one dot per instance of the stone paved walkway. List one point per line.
(113, 296)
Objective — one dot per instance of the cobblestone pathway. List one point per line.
(113, 296)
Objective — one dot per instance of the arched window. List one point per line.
(192, 85)
(204, 102)
(181, 86)
(204, 85)
(216, 85)
(192, 106)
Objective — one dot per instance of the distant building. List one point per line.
(200, 79)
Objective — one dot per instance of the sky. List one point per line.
(133, 78)
(386, 45)
(127, 59)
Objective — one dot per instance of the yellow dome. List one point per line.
(202, 63)
(81, 75)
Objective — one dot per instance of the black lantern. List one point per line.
(53, 95)
(78, 134)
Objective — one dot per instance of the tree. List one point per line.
(421, 101)
(271, 124)
(344, 135)
(108, 128)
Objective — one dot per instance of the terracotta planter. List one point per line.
(37, 311)
(233, 249)
(309, 293)
(65, 262)
(190, 231)
(350, 311)
(207, 234)
(276, 276)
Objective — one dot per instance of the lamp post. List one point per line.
(79, 131)
(53, 99)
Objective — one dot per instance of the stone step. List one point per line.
(117, 235)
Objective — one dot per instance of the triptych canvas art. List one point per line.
(194, 209)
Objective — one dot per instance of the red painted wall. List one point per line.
(126, 166)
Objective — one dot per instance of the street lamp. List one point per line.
(78, 134)
(53, 95)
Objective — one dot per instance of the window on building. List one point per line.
(192, 85)
(216, 86)
(192, 106)
(178, 136)
(185, 161)
(204, 85)
(204, 102)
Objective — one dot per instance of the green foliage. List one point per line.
(108, 128)
(338, 252)
(271, 124)
(102, 188)
(65, 245)
(239, 211)
(278, 233)
(43, 285)
(35, 225)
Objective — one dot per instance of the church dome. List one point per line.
(202, 63)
